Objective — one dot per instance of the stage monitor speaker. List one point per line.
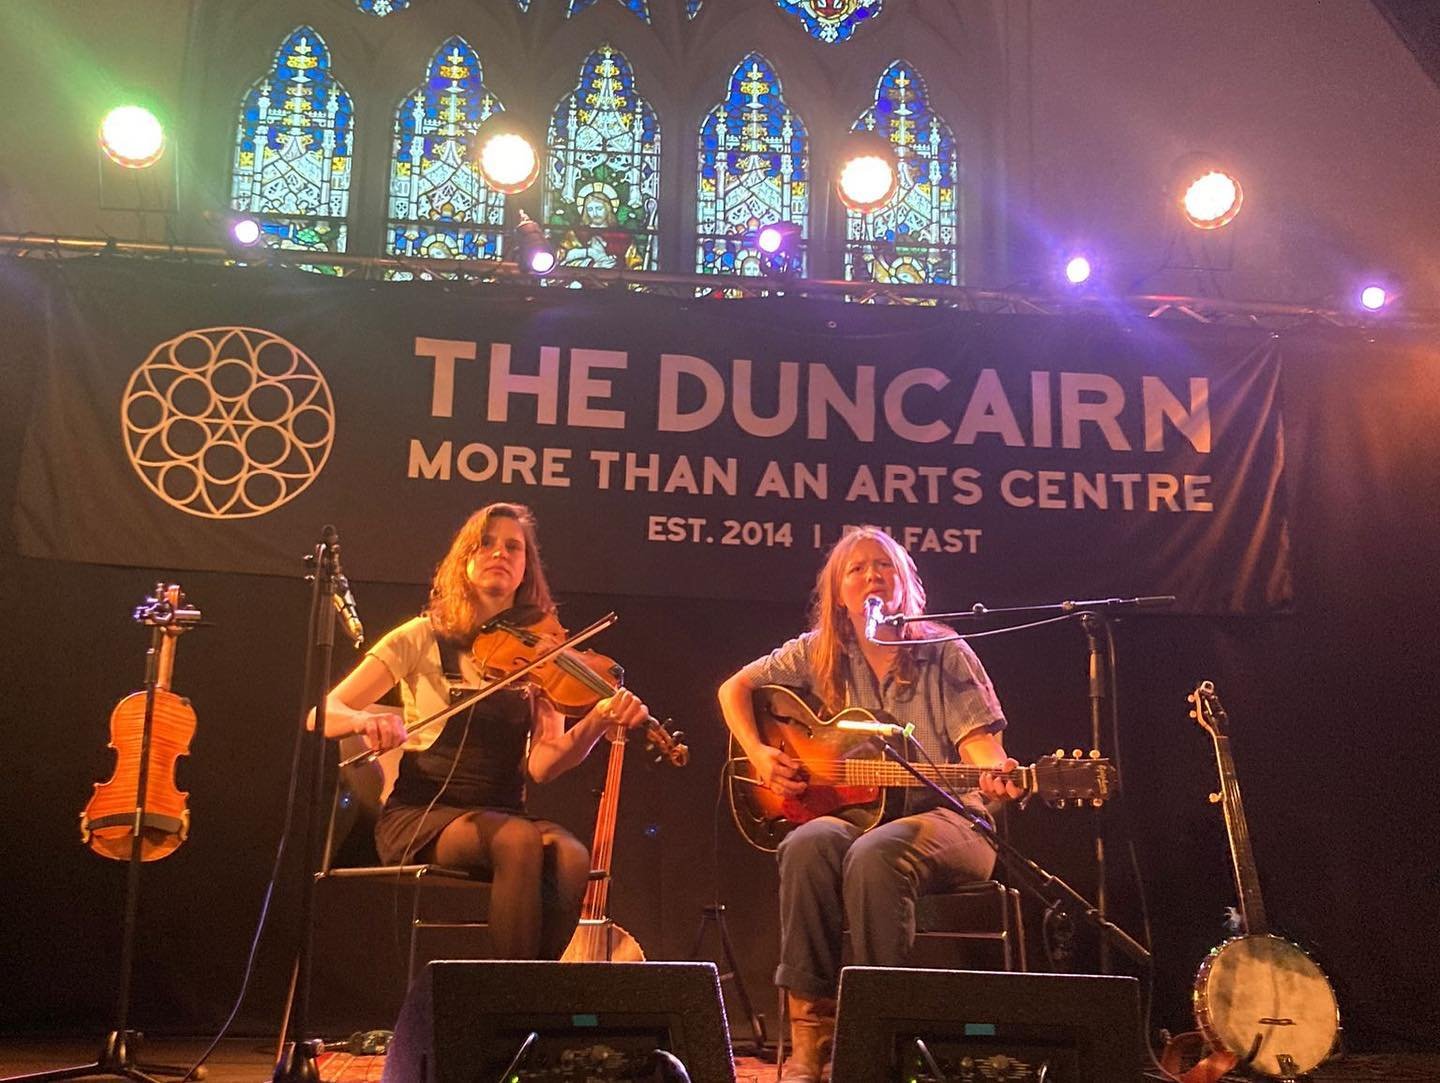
(464, 1021)
(1061, 1028)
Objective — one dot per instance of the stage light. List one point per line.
(1374, 297)
(131, 136)
(1078, 270)
(506, 153)
(1208, 193)
(779, 245)
(245, 231)
(868, 174)
(532, 250)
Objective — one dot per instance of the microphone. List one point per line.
(875, 729)
(349, 616)
(874, 615)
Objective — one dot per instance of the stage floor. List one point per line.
(250, 1060)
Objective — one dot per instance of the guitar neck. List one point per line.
(1247, 881)
(887, 774)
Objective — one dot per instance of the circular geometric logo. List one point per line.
(227, 422)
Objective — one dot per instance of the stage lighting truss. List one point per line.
(533, 252)
(1206, 191)
(869, 173)
(507, 153)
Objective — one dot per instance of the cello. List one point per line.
(141, 800)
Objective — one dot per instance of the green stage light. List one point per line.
(131, 136)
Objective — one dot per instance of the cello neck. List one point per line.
(602, 849)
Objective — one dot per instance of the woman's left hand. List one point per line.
(1001, 789)
(624, 708)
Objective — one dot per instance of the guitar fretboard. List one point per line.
(887, 774)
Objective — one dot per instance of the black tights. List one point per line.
(538, 872)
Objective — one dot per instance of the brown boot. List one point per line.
(812, 1036)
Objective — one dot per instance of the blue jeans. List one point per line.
(833, 878)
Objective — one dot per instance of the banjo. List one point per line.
(1259, 1000)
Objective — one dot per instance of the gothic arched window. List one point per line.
(439, 205)
(831, 21)
(293, 149)
(602, 177)
(639, 7)
(754, 169)
(912, 238)
(382, 7)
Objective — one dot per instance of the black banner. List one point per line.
(212, 418)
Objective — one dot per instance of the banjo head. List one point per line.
(1265, 1000)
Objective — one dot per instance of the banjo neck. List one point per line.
(1247, 880)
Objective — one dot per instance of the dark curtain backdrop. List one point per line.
(1334, 734)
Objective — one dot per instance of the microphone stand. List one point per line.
(1094, 620)
(296, 1062)
(1044, 885)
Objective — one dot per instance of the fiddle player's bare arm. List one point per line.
(554, 749)
(350, 708)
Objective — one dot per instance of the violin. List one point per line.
(118, 811)
(573, 680)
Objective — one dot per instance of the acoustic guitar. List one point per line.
(845, 770)
(1260, 1001)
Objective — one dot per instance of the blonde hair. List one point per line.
(834, 632)
(452, 610)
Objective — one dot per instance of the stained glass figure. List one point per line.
(831, 21)
(639, 7)
(382, 7)
(602, 176)
(439, 205)
(754, 169)
(293, 149)
(913, 237)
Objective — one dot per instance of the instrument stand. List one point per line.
(298, 1052)
(122, 1044)
(1046, 886)
(714, 914)
(1102, 691)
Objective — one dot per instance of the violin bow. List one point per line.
(371, 754)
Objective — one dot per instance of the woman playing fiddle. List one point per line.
(459, 799)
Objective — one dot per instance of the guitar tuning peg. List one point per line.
(1094, 753)
(1194, 714)
(1095, 802)
(1076, 754)
(1213, 798)
(1059, 753)
(1061, 803)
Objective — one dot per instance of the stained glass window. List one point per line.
(912, 238)
(602, 177)
(439, 206)
(754, 169)
(293, 149)
(692, 8)
(381, 7)
(639, 7)
(831, 21)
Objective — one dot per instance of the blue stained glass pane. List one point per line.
(831, 21)
(381, 7)
(692, 8)
(639, 7)
(914, 237)
(754, 169)
(293, 149)
(524, 4)
(439, 205)
(602, 176)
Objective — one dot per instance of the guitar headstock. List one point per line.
(1206, 709)
(1080, 779)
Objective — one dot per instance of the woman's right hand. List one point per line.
(382, 730)
(778, 771)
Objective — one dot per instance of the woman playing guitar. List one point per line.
(459, 799)
(831, 869)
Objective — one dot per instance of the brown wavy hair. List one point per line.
(835, 633)
(452, 609)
